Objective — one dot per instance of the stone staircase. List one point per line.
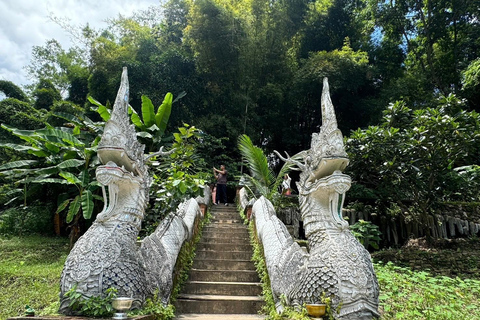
(223, 283)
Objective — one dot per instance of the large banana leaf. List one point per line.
(63, 205)
(103, 111)
(163, 113)
(69, 117)
(30, 136)
(70, 178)
(73, 208)
(18, 164)
(135, 118)
(148, 111)
(58, 136)
(87, 204)
(20, 147)
(71, 163)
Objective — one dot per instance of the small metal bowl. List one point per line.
(122, 303)
(316, 310)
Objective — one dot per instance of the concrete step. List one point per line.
(224, 276)
(234, 227)
(218, 304)
(224, 246)
(219, 264)
(221, 220)
(228, 255)
(218, 236)
(222, 207)
(223, 288)
(237, 239)
(228, 215)
(194, 316)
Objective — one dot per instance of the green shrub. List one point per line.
(25, 220)
(96, 306)
(366, 233)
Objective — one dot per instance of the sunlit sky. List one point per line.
(26, 23)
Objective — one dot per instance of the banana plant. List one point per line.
(64, 155)
(152, 124)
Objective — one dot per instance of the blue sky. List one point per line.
(25, 23)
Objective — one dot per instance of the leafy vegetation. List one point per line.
(407, 294)
(97, 306)
(415, 160)
(366, 233)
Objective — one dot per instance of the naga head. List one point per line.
(119, 151)
(119, 142)
(327, 152)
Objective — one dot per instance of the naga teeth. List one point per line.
(123, 168)
(121, 154)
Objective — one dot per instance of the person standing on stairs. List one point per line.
(221, 176)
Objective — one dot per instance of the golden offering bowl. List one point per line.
(316, 310)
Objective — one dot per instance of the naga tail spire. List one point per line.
(329, 120)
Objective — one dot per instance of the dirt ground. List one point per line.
(452, 258)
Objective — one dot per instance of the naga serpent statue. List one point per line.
(337, 265)
(107, 255)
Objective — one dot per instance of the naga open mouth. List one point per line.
(110, 172)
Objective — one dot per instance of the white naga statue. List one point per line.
(107, 254)
(337, 265)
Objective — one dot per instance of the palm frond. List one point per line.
(256, 161)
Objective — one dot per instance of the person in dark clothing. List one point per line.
(221, 176)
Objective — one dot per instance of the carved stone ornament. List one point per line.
(107, 255)
(337, 265)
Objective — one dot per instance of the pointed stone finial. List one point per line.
(327, 152)
(120, 108)
(328, 113)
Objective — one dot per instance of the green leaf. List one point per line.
(70, 177)
(71, 163)
(183, 187)
(87, 204)
(63, 205)
(163, 113)
(135, 118)
(180, 96)
(50, 180)
(84, 178)
(148, 111)
(54, 135)
(52, 147)
(19, 147)
(18, 164)
(144, 134)
(73, 209)
(103, 111)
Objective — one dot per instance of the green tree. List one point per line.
(471, 84)
(10, 90)
(45, 95)
(409, 160)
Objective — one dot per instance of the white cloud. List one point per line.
(25, 23)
